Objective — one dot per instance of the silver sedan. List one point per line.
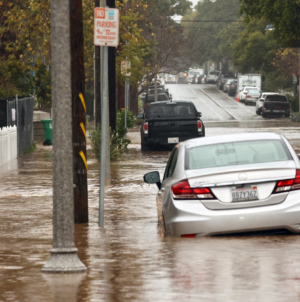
(229, 184)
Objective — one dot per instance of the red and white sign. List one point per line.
(106, 26)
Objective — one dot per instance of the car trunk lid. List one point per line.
(223, 181)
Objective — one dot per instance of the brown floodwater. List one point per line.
(129, 259)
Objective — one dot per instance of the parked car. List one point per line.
(150, 98)
(252, 96)
(226, 85)
(260, 101)
(222, 79)
(276, 104)
(229, 184)
(170, 79)
(194, 75)
(212, 77)
(232, 88)
(158, 85)
(244, 92)
(168, 123)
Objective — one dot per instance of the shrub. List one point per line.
(118, 145)
(121, 122)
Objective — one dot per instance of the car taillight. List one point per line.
(182, 190)
(245, 92)
(232, 86)
(146, 127)
(248, 96)
(289, 184)
(199, 126)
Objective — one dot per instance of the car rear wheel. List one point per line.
(263, 114)
(257, 112)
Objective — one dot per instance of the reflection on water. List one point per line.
(129, 259)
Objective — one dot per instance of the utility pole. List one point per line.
(78, 114)
(112, 80)
(63, 257)
(97, 89)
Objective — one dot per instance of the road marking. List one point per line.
(243, 106)
(219, 104)
(208, 106)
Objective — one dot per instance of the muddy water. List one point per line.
(129, 259)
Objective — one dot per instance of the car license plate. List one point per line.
(173, 140)
(244, 194)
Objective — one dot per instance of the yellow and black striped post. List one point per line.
(78, 114)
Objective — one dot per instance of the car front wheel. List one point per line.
(145, 147)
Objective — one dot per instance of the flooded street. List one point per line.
(129, 259)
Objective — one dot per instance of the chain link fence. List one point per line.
(19, 112)
(24, 109)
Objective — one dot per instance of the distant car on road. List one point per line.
(275, 105)
(194, 75)
(229, 184)
(244, 92)
(226, 85)
(168, 123)
(182, 78)
(232, 88)
(170, 79)
(260, 101)
(222, 79)
(212, 77)
(252, 96)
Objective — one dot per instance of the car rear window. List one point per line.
(276, 98)
(253, 91)
(172, 110)
(160, 97)
(237, 153)
(214, 73)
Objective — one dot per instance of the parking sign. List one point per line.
(106, 26)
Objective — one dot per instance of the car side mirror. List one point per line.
(153, 178)
(140, 116)
(199, 114)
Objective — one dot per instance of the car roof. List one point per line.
(250, 87)
(173, 101)
(270, 93)
(229, 138)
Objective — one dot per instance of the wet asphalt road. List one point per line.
(130, 259)
(213, 103)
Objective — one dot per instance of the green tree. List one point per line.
(283, 14)
(203, 30)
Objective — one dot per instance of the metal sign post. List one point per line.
(125, 70)
(106, 33)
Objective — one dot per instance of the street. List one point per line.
(130, 259)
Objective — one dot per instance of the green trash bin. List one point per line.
(47, 132)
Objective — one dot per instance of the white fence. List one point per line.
(8, 144)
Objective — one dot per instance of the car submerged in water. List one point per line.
(229, 184)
